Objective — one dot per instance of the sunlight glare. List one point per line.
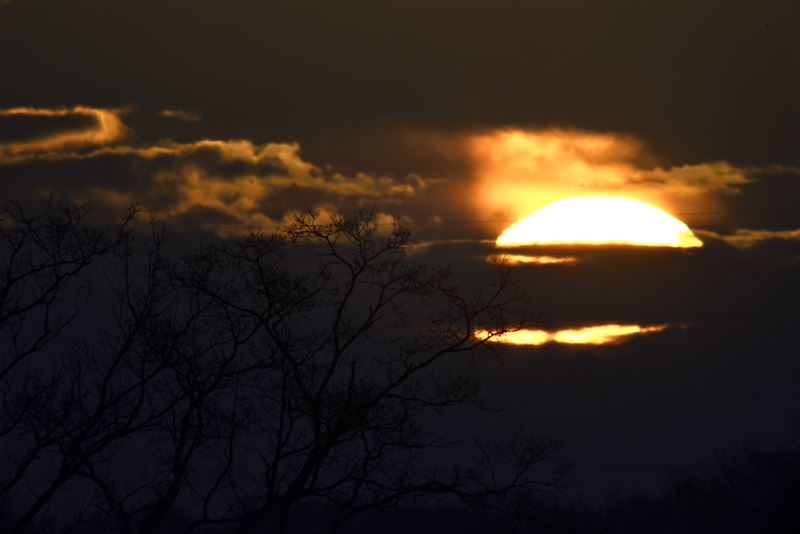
(599, 220)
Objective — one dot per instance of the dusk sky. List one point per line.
(462, 119)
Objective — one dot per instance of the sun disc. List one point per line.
(599, 220)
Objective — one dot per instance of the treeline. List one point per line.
(753, 492)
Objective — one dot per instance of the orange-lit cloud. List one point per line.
(235, 183)
(107, 128)
(276, 167)
(590, 335)
(524, 259)
(292, 170)
(519, 171)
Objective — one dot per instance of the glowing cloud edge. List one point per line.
(525, 259)
(590, 335)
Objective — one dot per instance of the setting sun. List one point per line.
(599, 220)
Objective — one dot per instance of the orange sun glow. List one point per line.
(599, 220)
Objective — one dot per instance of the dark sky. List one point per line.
(216, 115)
(710, 81)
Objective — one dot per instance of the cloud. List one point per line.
(527, 259)
(467, 185)
(275, 183)
(497, 176)
(234, 183)
(232, 159)
(104, 126)
(179, 114)
(718, 176)
(515, 172)
(747, 238)
(774, 169)
(588, 335)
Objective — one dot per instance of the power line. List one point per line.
(687, 317)
(492, 221)
(682, 214)
(645, 319)
(633, 400)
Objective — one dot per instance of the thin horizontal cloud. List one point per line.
(589, 335)
(774, 169)
(525, 259)
(747, 238)
(180, 114)
(106, 127)
(420, 246)
(282, 161)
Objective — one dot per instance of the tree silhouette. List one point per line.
(43, 289)
(240, 382)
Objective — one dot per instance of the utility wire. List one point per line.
(634, 400)
(491, 221)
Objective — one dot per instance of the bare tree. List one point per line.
(251, 379)
(348, 368)
(44, 287)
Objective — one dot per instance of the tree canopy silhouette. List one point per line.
(235, 384)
